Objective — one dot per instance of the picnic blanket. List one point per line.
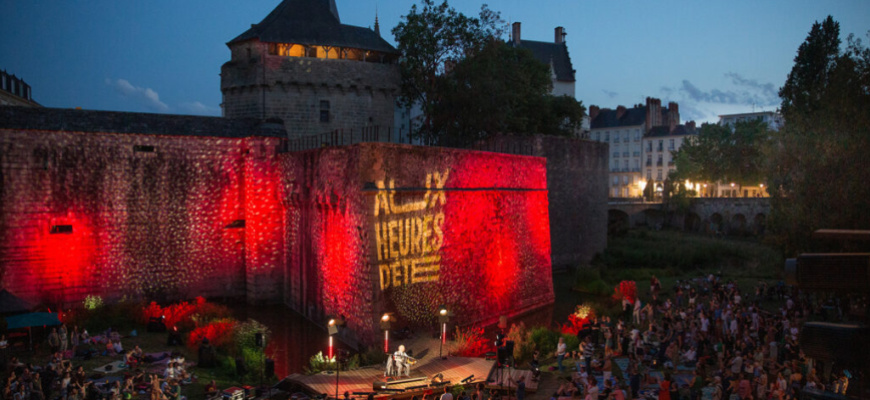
(107, 379)
(115, 367)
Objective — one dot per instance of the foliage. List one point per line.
(544, 339)
(219, 334)
(431, 37)
(255, 363)
(588, 279)
(724, 154)
(319, 363)
(472, 85)
(626, 290)
(119, 315)
(523, 345)
(502, 90)
(93, 302)
(578, 320)
(244, 334)
(457, 390)
(673, 252)
(469, 342)
(817, 166)
(184, 315)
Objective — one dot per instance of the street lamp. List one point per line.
(385, 325)
(332, 327)
(443, 318)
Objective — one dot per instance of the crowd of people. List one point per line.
(709, 330)
(61, 378)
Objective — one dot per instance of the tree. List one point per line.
(472, 85)
(431, 38)
(818, 173)
(724, 154)
(501, 90)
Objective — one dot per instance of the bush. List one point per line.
(523, 345)
(319, 363)
(544, 339)
(571, 341)
(219, 334)
(245, 334)
(469, 342)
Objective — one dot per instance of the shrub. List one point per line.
(245, 334)
(523, 345)
(469, 342)
(218, 333)
(93, 302)
(319, 363)
(544, 339)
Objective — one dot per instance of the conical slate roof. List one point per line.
(312, 22)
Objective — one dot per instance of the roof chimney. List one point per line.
(515, 33)
(620, 111)
(673, 115)
(593, 112)
(560, 34)
(690, 125)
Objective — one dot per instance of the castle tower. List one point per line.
(302, 65)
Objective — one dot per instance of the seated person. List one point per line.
(211, 389)
(690, 357)
(116, 346)
(131, 360)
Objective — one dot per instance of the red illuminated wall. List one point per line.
(489, 256)
(144, 224)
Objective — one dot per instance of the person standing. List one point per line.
(588, 351)
(54, 340)
(561, 350)
(447, 395)
(665, 388)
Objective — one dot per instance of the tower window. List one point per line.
(324, 110)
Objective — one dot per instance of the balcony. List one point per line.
(659, 163)
(659, 148)
(649, 163)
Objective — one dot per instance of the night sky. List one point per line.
(165, 56)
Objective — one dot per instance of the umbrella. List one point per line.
(30, 320)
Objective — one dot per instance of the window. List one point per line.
(637, 165)
(661, 145)
(648, 160)
(659, 162)
(625, 165)
(616, 137)
(659, 175)
(324, 110)
(649, 147)
(615, 180)
(649, 175)
(606, 136)
(637, 135)
(625, 179)
(671, 144)
(138, 148)
(597, 136)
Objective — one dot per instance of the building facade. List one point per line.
(772, 119)
(554, 54)
(642, 140)
(15, 92)
(303, 66)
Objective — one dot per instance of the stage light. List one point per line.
(470, 378)
(385, 326)
(444, 318)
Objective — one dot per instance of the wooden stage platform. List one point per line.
(453, 369)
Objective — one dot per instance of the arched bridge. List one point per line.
(721, 216)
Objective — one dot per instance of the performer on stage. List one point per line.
(402, 362)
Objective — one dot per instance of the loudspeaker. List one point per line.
(270, 367)
(258, 339)
(378, 386)
(241, 370)
(843, 344)
(506, 353)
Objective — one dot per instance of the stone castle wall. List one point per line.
(577, 182)
(292, 89)
(136, 215)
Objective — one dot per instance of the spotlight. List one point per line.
(386, 318)
(385, 326)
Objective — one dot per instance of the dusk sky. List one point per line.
(165, 56)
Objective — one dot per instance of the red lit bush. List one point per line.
(186, 315)
(578, 320)
(219, 334)
(470, 342)
(626, 290)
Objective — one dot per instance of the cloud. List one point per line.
(766, 93)
(197, 108)
(145, 96)
(713, 96)
(610, 94)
